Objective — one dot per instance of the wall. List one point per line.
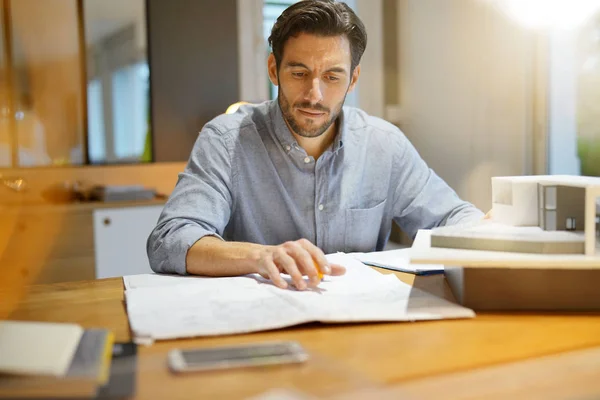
(466, 92)
(390, 51)
(193, 69)
(370, 87)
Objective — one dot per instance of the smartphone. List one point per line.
(267, 353)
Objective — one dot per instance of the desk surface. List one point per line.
(344, 357)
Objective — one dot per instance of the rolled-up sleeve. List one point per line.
(200, 205)
(422, 199)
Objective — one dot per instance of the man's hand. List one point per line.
(297, 258)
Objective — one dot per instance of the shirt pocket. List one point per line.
(362, 228)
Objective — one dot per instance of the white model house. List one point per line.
(552, 202)
(551, 214)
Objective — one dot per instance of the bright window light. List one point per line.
(559, 14)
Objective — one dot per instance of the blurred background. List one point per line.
(113, 93)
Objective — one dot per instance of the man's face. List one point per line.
(313, 78)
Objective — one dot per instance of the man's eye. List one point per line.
(333, 78)
(298, 74)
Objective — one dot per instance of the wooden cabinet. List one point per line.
(71, 242)
(47, 244)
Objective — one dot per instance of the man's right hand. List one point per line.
(296, 258)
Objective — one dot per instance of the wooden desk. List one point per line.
(345, 358)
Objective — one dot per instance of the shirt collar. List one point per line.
(338, 142)
(286, 138)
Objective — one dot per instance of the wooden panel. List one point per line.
(49, 245)
(52, 185)
(526, 289)
(54, 243)
(67, 269)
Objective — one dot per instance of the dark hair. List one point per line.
(323, 18)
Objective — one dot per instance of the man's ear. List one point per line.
(354, 78)
(272, 67)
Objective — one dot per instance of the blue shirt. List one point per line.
(248, 180)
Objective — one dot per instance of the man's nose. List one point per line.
(314, 94)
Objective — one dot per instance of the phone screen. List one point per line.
(256, 354)
(235, 354)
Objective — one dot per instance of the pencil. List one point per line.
(319, 273)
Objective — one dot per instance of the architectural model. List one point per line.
(547, 214)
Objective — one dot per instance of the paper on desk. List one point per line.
(386, 299)
(151, 280)
(218, 306)
(353, 271)
(399, 260)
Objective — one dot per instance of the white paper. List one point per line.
(151, 280)
(354, 271)
(159, 307)
(213, 306)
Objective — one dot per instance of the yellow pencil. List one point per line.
(319, 273)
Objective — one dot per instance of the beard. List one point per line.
(309, 129)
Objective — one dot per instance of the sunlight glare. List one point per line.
(559, 14)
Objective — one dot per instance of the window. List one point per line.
(574, 100)
(97, 150)
(43, 82)
(588, 97)
(130, 111)
(118, 85)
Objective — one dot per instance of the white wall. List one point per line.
(252, 60)
(370, 93)
(466, 92)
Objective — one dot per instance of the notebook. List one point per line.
(40, 359)
(93, 355)
(38, 348)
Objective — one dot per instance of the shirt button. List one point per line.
(306, 160)
(288, 147)
(321, 207)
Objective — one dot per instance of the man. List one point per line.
(274, 186)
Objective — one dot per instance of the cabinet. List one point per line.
(120, 239)
(48, 243)
(51, 243)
